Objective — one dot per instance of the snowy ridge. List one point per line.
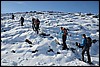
(16, 52)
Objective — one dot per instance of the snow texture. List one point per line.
(16, 52)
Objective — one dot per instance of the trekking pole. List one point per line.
(56, 36)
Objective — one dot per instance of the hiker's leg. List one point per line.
(83, 51)
(32, 27)
(38, 26)
(36, 29)
(21, 23)
(88, 54)
(64, 42)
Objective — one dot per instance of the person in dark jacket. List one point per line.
(64, 36)
(37, 23)
(22, 21)
(12, 16)
(33, 25)
(85, 47)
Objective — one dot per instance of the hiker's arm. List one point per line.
(83, 42)
(61, 33)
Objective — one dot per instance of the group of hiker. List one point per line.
(86, 41)
(35, 23)
(85, 45)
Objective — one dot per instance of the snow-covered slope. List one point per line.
(16, 52)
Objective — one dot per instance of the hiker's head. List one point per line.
(33, 18)
(62, 28)
(88, 38)
(83, 35)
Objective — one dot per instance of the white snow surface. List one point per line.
(13, 37)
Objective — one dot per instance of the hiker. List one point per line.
(22, 21)
(12, 16)
(89, 43)
(86, 42)
(37, 23)
(33, 25)
(64, 36)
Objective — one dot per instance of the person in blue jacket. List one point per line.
(85, 47)
(84, 41)
(64, 34)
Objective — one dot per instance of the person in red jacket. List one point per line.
(37, 23)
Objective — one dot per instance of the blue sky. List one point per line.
(64, 6)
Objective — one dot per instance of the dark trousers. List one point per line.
(22, 23)
(64, 41)
(37, 28)
(33, 27)
(88, 54)
(12, 17)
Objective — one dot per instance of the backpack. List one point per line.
(66, 31)
(37, 21)
(89, 41)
